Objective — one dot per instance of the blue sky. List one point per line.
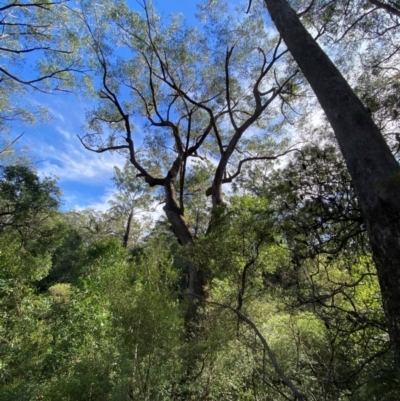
(84, 177)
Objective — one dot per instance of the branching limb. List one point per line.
(32, 82)
(297, 394)
(108, 94)
(11, 144)
(257, 113)
(192, 151)
(355, 23)
(44, 5)
(183, 170)
(300, 14)
(387, 7)
(102, 150)
(264, 71)
(227, 86)
(229, 179)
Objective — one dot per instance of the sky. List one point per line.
(84, 177)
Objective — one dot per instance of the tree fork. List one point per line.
(373, 168)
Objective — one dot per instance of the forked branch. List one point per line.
(296, 392)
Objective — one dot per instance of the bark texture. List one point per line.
(373, 168)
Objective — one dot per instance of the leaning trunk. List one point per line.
(216, 189)
(128, 229)
(374, 170)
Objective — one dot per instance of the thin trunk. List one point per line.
(374, 170)
(216, 189)
(128, 229)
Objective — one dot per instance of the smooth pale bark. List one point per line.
(374, 170)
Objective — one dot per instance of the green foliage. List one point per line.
(23, 194)
(239, 235)
(83, 318)
(108, 323)
(42, 49)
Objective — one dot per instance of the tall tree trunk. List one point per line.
(197, 285)
(374, 170)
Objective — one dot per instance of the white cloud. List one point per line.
(65, 133)
(58, 151)
(57, 115)
(70, 161)
(102, 204)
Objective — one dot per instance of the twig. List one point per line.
(297, 394)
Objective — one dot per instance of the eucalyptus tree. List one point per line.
(40, 52)
(92, 225)
(374, 170)
(175, 94)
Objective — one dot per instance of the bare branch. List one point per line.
(192, 151)
(32, 49)
(300, 14)
(102, 150)
(32, 82)
(44, 5)
(355, 23)
(11, 143)
(227, 86)
(243, 282)
(297, 394)
(183, 170)
(229, 179)
(264, 71)
(249, 6)
(389, 8)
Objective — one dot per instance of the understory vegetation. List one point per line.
(85, 318)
